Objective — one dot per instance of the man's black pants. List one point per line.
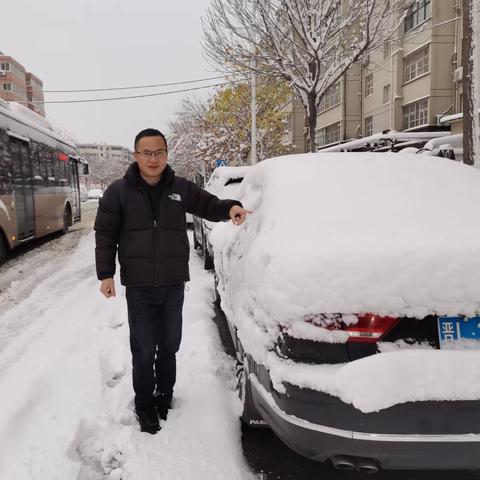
(155, 319)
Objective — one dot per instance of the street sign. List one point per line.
(220, 163)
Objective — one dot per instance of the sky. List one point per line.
(86, 44)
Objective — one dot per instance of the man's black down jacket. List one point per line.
(151, 251)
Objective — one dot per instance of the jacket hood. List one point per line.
(132, 175)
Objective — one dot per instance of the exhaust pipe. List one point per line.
(365, 465)
(344, 463)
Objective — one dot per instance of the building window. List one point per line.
(386, 93)
(7, 87)
(417, 13)
(331, 98)
(416, 64)
(368, 126)
(5, 66)
(369, 85)
(415, 114)
(332, 133)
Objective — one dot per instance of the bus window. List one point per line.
(49, 166)
(62, 175)
(5, 167)
(36, 164)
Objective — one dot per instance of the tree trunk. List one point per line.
(312, 121)
(467, 61)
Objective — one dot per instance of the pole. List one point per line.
(253, 155)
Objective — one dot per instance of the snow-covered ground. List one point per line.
(66, 405)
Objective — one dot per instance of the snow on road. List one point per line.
(66, 404)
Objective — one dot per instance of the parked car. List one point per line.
(95, 193)
(224, 183)
(450, 147)
(352, 297)
(83, 193)
(387, 142)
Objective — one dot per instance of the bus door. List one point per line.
(22, 188)
(75, 183)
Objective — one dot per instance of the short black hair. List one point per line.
(149, 132)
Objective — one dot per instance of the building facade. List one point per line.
(18, 85)
(295, 127)
(411, 80)
(106, 162)
(35, 93)
(408, 83)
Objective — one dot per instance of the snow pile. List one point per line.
(392, 234)
(386, 379)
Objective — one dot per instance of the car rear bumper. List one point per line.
(389, 450)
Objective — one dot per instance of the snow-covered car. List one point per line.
(224, 183)
(450, 146)
(95, 193)
(387, 142)
(352, 294)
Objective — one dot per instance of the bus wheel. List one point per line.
(67, 219)
(3, 249)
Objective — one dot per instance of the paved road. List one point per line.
(272, 460)
(29, 264)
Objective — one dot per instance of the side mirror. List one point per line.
(85, 169)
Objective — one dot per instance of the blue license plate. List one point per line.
(455, 330)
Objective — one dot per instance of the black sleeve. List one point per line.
(108, 224)
(205, 205)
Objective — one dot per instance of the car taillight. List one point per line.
(370, 328)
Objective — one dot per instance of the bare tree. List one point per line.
(104, 170)
(471, 82)
(185, 134)
(310, 43)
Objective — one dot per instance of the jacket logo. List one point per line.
(175, 196)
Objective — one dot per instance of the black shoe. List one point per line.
(148, 420)
(163, 402)
(162, 412)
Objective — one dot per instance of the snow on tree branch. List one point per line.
(309, 43)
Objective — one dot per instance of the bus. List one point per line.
(39, 178)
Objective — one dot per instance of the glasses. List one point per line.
(148, 154)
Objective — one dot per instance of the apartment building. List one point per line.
(106, 162)
(295, 127)
(456, 119)
(411, 80)
(35, 93)
(13, 86)
(18, 85)
(408, 84)
(340, 110)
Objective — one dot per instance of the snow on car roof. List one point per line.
(352, 233)
(391, 136)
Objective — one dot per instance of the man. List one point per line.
(142, 216)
